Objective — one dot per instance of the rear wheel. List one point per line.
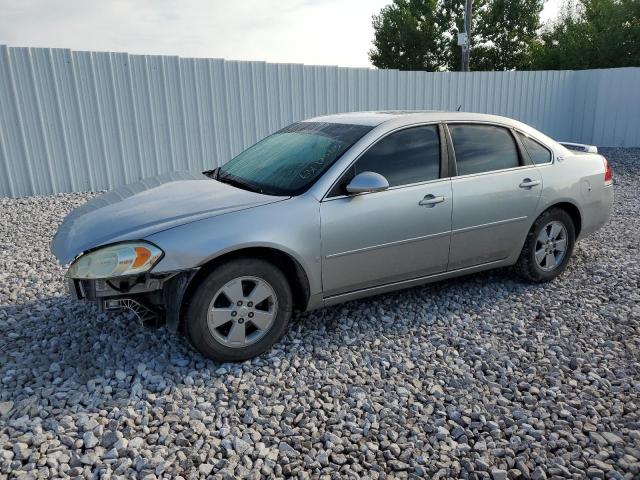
(239, 310)
(548, 247)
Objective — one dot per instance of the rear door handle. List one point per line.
(430, 200)
(528, 183)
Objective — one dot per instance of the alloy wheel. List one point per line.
(242, 311)
(551, 246)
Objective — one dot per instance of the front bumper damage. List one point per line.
(153, 299)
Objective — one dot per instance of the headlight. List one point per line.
(117, 260)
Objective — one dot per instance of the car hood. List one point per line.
(134, 211)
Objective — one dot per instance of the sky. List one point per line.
(320, 32)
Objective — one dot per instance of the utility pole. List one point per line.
(466, 46)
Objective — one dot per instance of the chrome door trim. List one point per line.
(490, 224)
(388, 244)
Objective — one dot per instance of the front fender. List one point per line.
(291, 226)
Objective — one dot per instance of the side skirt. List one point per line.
(390, 287)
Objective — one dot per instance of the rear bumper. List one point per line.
(156, 298)
(597, 213)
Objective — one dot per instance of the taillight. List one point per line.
(608, 173)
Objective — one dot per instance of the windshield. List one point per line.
(292, 159)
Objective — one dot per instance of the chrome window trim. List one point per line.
(397, 187)
(509, 129)
(386, 134)
(493, 172)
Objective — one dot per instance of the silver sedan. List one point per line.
(328, 210)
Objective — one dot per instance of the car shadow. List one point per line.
(429, 304)
(74, 354)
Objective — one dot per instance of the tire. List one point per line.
(528, 266)
(212, 303)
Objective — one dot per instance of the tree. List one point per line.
(451, 17)
(422, 35)
(591, 34)
(506, 31)
(407, 36)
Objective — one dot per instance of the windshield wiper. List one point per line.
(212, 173)
(237, 183)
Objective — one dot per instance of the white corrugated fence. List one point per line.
(77, 121)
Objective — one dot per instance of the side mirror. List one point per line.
(366, 182)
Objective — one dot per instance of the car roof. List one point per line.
(376, 118)
(389, 119)
(373, 118)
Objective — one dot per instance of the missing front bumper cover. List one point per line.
(153, 299)
(145, 315)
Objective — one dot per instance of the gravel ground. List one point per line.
(479, 377)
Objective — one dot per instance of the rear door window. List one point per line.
(483, 148)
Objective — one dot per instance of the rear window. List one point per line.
(483, 148)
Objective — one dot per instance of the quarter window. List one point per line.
(536, 151)
(408, 156)
(483, 148)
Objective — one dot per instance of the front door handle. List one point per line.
(430, 200)
(528, 183)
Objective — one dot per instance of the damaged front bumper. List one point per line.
(153, 299)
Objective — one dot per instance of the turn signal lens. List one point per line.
(143, 254)
(130, 258)
(608, 173)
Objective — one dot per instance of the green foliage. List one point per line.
(591, 34)
(503, 32)
(506, 31)
(506, 35)
(451, 15)
(407, 36)
(422, 34)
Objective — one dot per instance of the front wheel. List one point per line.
(239, 310)
(548, 247)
